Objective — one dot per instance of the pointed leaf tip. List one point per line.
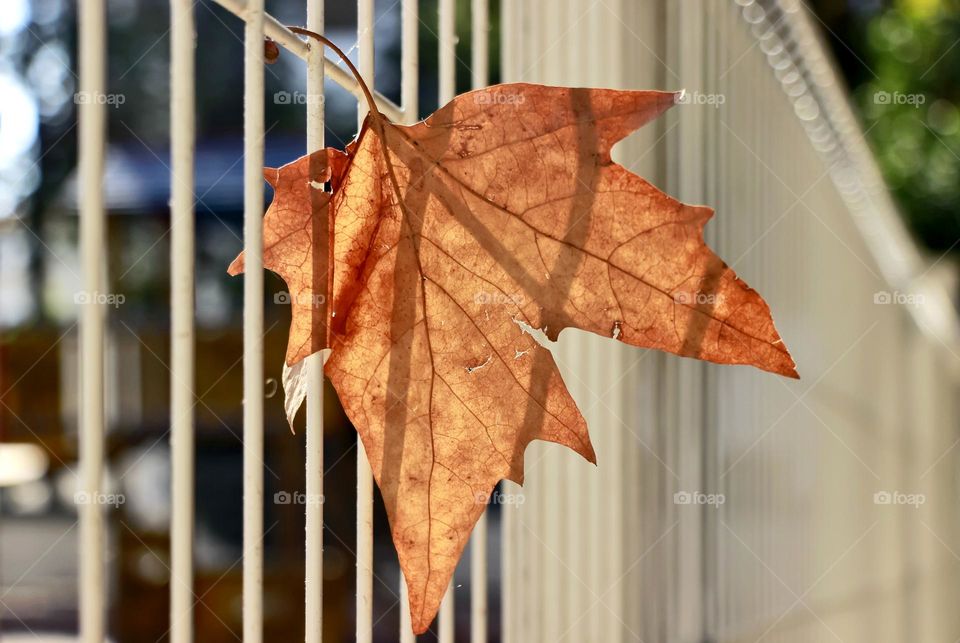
(271, 175)
(236, 266)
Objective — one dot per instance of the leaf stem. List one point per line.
(380, 121)
(367, 94)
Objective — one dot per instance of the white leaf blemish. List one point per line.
(316, 185)
(539, 335)
(471, 369)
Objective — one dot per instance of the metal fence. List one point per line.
(728, 505)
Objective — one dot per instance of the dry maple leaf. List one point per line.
(452, 240)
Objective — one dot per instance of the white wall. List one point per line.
(799, 551)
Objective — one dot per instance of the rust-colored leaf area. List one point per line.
(500, 214)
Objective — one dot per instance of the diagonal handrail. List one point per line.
(274, 29)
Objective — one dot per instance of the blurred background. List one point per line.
(899, 60)
(39, 274)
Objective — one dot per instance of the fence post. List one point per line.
(313, 576)
(253, 119)
(410, 102)
(364, 599)
(448, 89)
(93, 245)
(480, 36)
(182, 132)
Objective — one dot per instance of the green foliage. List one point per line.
(910, 109)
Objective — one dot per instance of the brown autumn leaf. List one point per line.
(511, 217)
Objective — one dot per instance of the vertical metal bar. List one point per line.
(93, 133)
(509, 61)
(611, 475)
(313, 572)
(448, 51)
(448, 89)
(406, 626)
(550, 68)
(253, 125)
(572, 486)
(478, 582)
(182, 129)
(445, 619)
(480, 33)
(410, 62)
(410, 101)
(364, 604)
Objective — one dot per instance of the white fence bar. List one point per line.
(93, 137)
(313, 573)
(410, 102)
(406, 627)
(409, 62)
(290, 41)
(182, 131)
(253, 132)
(480, 30)
(448, 89)
(509, 61)
(480, 37)
(445, 618)
(364, 600)
(478, 582)
(448, 51)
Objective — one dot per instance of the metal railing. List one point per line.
(609, 553)
(258, 24)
